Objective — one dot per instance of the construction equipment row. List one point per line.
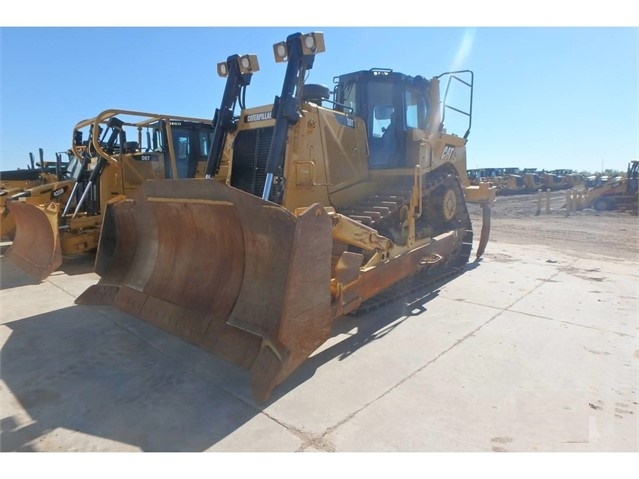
(513, 181)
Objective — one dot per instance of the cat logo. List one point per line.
(345, 120)
(449, 153)
(267, 115)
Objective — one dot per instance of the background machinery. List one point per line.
(123, 149)
(616, 194)
(310, 208)
(517, 182)
(46, 183)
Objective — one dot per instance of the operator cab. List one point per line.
(191, 144)
(390, 104)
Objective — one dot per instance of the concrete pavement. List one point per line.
(531, 349)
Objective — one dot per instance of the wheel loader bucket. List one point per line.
(36, 244)
(240, 277)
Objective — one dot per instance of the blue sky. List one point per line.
(544, 97)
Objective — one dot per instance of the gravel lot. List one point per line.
(586, 232)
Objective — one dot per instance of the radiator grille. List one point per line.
(250, 152)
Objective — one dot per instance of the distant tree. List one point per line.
(613, 173)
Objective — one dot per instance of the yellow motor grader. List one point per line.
(107, 166)
(310, 207)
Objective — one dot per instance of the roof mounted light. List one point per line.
(281, 52)
(313, 43)
(246, 64)
(309, 42)
(222, 69)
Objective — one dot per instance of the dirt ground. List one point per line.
(515, 221)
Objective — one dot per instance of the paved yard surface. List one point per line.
(533, 349)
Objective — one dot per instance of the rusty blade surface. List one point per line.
(222, 269)
(7, 222)
(36, 244)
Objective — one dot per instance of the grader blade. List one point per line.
(36, 245)
(240, 277)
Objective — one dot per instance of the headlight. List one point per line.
(248, 64)
(309, 42)
(313, 43)
(281, 54)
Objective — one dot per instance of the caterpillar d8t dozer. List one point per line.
(310, 208)
(111, 164)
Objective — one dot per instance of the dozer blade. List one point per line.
(36, 244)
(238, 276)
(485, 229)
(7, 224)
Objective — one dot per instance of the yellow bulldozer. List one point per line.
(48, 182)
(309, 209)
(123, 149)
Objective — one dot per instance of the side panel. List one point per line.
(327, 154)
(126, 176)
